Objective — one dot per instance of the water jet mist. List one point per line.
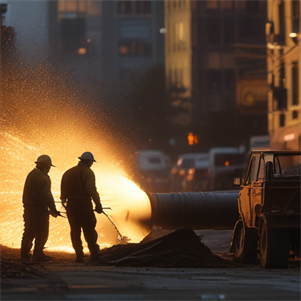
(41, 113)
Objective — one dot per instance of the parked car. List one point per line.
(222, 163)
(190, 172)
(154, 168)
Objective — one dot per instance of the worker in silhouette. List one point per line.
(38, 203)
(77, 189)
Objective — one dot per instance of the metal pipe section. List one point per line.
(198, 210)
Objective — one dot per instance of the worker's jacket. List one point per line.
(78, 184)
(37, 191)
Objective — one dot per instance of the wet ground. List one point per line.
(209, 276)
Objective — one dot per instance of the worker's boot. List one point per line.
(79, 257)
(40, 256)
(26, 256)
(94, 256)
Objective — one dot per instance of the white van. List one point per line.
(154, 167)
(222, 163)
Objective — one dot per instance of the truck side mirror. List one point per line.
(236, 181)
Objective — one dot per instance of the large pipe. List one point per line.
(198, 210)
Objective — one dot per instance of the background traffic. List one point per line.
(200, 171)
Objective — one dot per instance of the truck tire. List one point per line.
(245, 243)
(274, 247)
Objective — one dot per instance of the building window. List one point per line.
(72, 33)
(230, 79)
(67, 6)
(143, 7)
(295, 84)
(170, 77)
(229, 30)
(295, 16)
(282, 120)
(251, 30)
(176, 77)
(295, 115)
(212, 4)
(282, 75)
(227, 4)
(181, 43)
(214, 80)
(178, 36)
(281, 38)
(213, 30)
(180, 82)
(124, 7)
(252, 6)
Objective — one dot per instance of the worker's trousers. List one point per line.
(81, 216)
(36, 226)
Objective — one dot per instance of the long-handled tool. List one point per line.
(122, 239)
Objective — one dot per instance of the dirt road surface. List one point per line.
(63, 279)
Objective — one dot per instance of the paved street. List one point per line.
(89, 282)
(66, 280)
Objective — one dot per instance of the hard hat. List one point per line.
(45, 159)
(87, 156)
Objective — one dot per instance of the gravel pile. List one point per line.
(179, 249)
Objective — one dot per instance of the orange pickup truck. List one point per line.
(269, 209)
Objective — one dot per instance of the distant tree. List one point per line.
(157, 112)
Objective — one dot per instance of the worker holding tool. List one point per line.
(77, 189)
(38, 203)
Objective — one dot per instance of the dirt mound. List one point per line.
(179, 249)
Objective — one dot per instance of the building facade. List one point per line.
(75, 32)
(284, 75)
(216, 50)
(131, 37)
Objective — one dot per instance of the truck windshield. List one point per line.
(229, 159)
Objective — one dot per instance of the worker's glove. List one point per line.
(54, 212)
(64, 203)
(98, 208)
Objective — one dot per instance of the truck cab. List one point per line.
(269, 208)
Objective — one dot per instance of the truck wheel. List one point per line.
(274, 247)
(245, 243)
